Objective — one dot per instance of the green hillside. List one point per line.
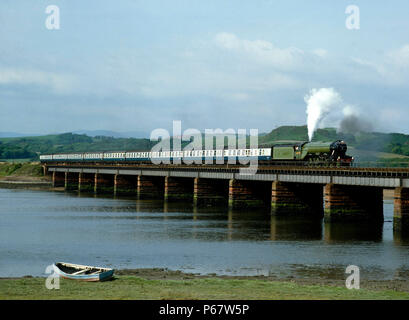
(31, 147)
(300, 133)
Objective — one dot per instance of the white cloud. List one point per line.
(59, 83)
(261, 51)
(322, 53)
(390, 69)
(400, 57)
(237, 96)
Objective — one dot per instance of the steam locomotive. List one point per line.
(318, 153)
(312, 152)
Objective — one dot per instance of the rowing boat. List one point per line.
(83, 273)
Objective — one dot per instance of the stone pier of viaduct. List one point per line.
(343, 195)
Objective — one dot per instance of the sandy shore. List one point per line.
(162, 274)
(25, 182)
(158, 283)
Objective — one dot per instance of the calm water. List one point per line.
(38, 228)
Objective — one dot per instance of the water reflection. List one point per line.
(295, 228)
(223, 223)
(401, 237)
(349, 232)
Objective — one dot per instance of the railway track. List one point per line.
(264, 169)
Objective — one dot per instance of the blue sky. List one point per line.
(138, 65)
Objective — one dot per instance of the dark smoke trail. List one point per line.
(353, 124)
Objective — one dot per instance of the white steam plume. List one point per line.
(319, 103)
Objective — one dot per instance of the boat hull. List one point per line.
(103, 275)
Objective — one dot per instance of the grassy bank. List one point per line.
(132, 287)
(16, 171)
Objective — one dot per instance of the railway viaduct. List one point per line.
(340, 194)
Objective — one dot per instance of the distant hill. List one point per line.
(366, 146)
(31, 147)
(107, 133)
(300, 133)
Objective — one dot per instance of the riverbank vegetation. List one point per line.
(19, 170)
(132, 287)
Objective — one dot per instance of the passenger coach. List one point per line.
(286, 151)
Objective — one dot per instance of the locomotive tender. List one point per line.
(285, 151)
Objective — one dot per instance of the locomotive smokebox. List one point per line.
(339, 148)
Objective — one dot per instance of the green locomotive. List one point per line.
(311, 152)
